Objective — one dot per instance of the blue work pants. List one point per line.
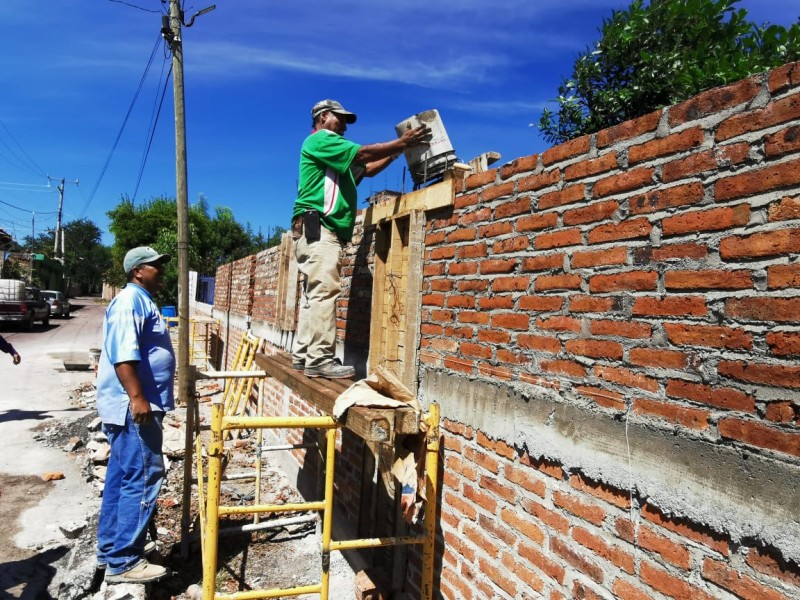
(133, 480)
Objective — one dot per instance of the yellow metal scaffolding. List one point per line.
(223, 422)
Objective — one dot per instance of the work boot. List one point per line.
(144, 572)
(331, 370)
(149, 548)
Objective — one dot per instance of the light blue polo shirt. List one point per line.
(134, 330)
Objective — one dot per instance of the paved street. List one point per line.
(31, 393)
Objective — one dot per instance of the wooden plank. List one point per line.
(370, 424)
(458, 172)
(437, 195)
(483, 161)
(290, 317)
(414, 262)
(378, 309)
(283, 267)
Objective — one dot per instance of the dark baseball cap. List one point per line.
(332, 106)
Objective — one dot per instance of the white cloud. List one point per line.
(227, 59)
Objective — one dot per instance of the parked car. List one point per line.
(59, 304)
(21, 304)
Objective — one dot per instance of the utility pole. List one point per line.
(171, 30)
(59, 229)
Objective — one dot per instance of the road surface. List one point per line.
(31, 394)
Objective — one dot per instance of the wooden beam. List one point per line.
(437, 195)
(483, 161)
(370, 424)
(414, 261)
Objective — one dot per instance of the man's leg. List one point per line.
(138, 453)
(107, 521)
(323, 287)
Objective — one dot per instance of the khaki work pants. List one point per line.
(320, 263)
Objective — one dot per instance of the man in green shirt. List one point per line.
(322, 223)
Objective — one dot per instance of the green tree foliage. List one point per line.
(655, 55)
(85, 258)
(213, 240)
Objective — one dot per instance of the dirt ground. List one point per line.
(273, 558)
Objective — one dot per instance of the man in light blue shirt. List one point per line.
(134, 389)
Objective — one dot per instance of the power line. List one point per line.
(154, 123)
(27, 210)
(17, 163)
(150, 10)
(39, 185)
(28, 156)
(122, 128)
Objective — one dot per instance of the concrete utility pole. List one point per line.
(171, 30)
(185, 395)
(59, 229)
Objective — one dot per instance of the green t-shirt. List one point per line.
(326, 181)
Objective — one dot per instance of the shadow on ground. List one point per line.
(29, 578)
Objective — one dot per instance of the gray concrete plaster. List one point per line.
(731, 490)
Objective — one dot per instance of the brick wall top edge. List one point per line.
(629, 129)
(715, 100)
(569, 149)
(519, 165)
(784, 77)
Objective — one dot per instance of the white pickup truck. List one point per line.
(21, 304)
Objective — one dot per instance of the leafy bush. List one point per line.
(656, 55)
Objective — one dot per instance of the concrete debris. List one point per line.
(73, 444)
(121, 591)
(52, 476)
(73, 530)
(99, 472)
(98, 451)
(95, 424)
(174, 444)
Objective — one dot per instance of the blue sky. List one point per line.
(253, 69)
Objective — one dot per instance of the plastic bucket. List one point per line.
(169, 311)
(428, 162)
(94, 358)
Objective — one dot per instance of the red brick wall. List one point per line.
(265, 285)
(517, 526)
(648, 272)
(222, 289)
(644, 276)
(654, 264)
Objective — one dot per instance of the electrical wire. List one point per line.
(38, 185)
(17, 163)
(27, 210)
(153, 124)
(122, 128)
(150, 10)
(31, 161)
